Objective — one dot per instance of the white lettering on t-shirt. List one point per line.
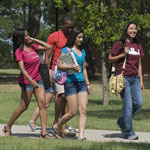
(133, 52)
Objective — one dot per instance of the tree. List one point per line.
(103, 20)
(14, 14)
(34, 17)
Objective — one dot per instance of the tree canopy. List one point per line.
(101, 20)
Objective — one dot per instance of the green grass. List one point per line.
(16, 143)
(9, 71)
(98, 117)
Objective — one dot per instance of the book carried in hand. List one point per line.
(68, 59)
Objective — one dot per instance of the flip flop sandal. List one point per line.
(46, 136)
(68, 133)
(7, 131)
(57, 133)
(82, 139)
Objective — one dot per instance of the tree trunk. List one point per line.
(34, 19)
(104, 77)
(24, 15)
(104, 68)
(56, 15)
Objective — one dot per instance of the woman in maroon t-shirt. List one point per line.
(29, 80)
(132, 94)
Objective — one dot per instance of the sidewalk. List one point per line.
(91, 135)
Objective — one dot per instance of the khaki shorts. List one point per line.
(59, 88)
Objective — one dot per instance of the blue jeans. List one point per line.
(132, 102)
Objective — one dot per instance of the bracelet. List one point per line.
(88, 85)
(30, 79)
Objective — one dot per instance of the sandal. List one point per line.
(68, 133)
(7, 131)
(57, 132)
(31, 126)
(45, 136)
(82, 139)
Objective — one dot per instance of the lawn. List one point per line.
(98, 117)
(16, 143)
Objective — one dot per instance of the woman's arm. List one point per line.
(48, 55)
(21, 67)
(42, 45)
(140, 74)
(62, 66)
(86, 78)
(113, 59)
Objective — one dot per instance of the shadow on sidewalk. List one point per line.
(37, 133)
(113, 135)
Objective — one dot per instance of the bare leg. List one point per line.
(82, 102)
(36, 114)
(59, 106)
(25, 100)
(64, 111)
(72, 106)
(40, 97)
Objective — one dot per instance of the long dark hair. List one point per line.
(72, 36)
(18, 40)
(124, 33)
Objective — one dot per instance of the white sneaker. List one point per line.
(33, 128)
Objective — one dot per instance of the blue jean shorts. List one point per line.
(52, 89)
(74, 88)
(29, 87)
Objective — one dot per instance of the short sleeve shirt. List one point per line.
(57, 40)
(31, 62)
(80, 60)
(134, 54)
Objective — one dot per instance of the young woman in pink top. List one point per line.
(29, 80)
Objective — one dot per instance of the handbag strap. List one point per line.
(124, 63)
(123, 66)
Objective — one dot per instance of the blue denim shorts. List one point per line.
(74, 88)
(52, 89)
(29, 87)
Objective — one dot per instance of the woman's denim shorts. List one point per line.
(29, 87)
(74, 88)
(52, 89)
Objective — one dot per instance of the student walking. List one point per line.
(57, 41)
(132, 93)
(30, 80)
(49, 93)
(77, 85)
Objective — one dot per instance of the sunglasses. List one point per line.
(69, 27)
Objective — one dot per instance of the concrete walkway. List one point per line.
(91, 135)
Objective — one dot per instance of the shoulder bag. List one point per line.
(117, 82)
(59, 76)
(44, 72)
